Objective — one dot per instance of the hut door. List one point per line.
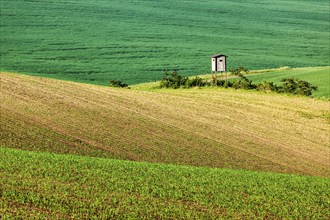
(214, 65)
(221, 65)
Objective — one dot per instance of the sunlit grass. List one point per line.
(43, 185)
(319, 76)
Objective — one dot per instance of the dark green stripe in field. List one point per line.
(134, 41)
(45, 185)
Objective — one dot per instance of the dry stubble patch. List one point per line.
(202, 127)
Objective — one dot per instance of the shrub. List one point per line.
(289, 85)
(239, 71)
(305, 88)
(117, 83)
(173, 80)
(195, 82)
(297, 86)
(243, 83)
(227, 84)
(267, 86)
(220, 83)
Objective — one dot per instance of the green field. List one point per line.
(319, 76)
(134, 41)
(44, 185)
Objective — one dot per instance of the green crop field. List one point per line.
(319, 76)
(134, 41)
(44, 185)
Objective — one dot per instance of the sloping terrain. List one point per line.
(134, 41)
(319, 76)
(35, 185)
(202, 127)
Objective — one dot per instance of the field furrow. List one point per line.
(202, 127)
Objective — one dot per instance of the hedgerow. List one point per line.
(290, 85)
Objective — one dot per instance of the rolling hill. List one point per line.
(72, 150)
(200, 127)
(319, 76)
(35, 185)
(134, 41)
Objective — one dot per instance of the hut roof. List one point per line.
(218, 55)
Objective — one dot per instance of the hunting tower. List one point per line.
(219, 63)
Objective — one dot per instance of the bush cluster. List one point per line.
(289, 85)
(173, 80)
(117, 83)
(296, 86)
